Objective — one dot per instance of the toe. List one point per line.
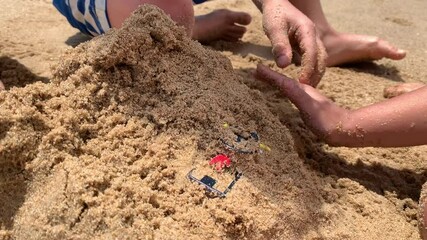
(231, 38)
(237, 30)
(234, 33)
(385, 49)
(391, 51)
(396, 90)
(390, 92)
(239, 17)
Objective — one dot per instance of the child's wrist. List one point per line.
(342, 133)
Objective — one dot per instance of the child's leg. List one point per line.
(181, 11)
(343, 48)
(218, 25)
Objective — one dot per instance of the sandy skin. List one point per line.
(220, 24)
(320, 43)
(344, 48)
(341, 48)
(396, 90)
(301, 27)
(397, 122)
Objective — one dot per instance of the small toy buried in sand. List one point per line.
(236, 142)
(208, 182)
(242, 142)
(220, 161)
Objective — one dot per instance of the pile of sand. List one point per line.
(102, 151)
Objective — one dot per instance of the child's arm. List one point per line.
(398, 122)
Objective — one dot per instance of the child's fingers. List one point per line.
(306, 37)
(266, 74)
(276, 29)
(291, 88)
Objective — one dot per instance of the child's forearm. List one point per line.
(398, 122)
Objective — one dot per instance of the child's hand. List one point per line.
(288, 28)
(322, 115)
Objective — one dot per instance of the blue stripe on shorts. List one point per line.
(199, 1)
(89, 16)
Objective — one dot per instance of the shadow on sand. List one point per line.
(380, 70)
(17, 144)
(14, 74)
(76, 39)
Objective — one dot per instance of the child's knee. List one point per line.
(181, 11)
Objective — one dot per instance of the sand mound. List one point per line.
(103, 150)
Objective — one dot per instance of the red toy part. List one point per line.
(221, 161)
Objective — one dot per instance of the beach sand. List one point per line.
(97, 137)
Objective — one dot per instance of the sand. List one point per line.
(96, 141)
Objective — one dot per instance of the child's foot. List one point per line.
(396, 90)
(346, 48)
(221, 24)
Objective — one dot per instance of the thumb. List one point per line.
(292, 89)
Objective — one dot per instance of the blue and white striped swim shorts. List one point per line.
(89, 16)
